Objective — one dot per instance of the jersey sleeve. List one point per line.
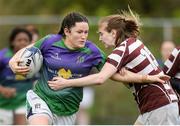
(100, 59)
(97, 56)
(117, 57)
(40, 42)
(171, 65)
(46, 42)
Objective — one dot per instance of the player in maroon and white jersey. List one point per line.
(157, 102)
(172, 68)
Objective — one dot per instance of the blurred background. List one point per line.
(113, 102)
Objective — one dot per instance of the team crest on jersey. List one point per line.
(80, 59)
(65, 74)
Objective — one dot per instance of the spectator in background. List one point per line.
(13, 87)
(34, 31)
(166, 49)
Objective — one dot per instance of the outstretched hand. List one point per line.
(128, 76)
(157, 78)
(57, 83)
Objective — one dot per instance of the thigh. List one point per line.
(64, 120)
(19, 115)
(6, 117)
(19, 119)
(36, 107)
(39, 119)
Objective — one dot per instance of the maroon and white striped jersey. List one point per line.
(135, 56)
(172, 64)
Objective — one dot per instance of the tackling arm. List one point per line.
(107, 71)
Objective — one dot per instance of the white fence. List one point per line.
(166, 23)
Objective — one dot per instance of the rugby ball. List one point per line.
(32, 58)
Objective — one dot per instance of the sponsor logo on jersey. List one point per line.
(65, 74)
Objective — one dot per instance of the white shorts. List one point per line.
(36, 107)
(166, 115)
(7, 116)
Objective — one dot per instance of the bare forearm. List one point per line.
(90, 80)
(128, 77)
(95, 79)
(136, 78)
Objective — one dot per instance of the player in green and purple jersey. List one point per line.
(13, 87)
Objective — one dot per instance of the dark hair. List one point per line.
(70, 20)
(15, 32)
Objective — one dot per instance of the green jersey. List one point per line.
(58, 60)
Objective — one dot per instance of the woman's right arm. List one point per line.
(95, 79)
(15, 61)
